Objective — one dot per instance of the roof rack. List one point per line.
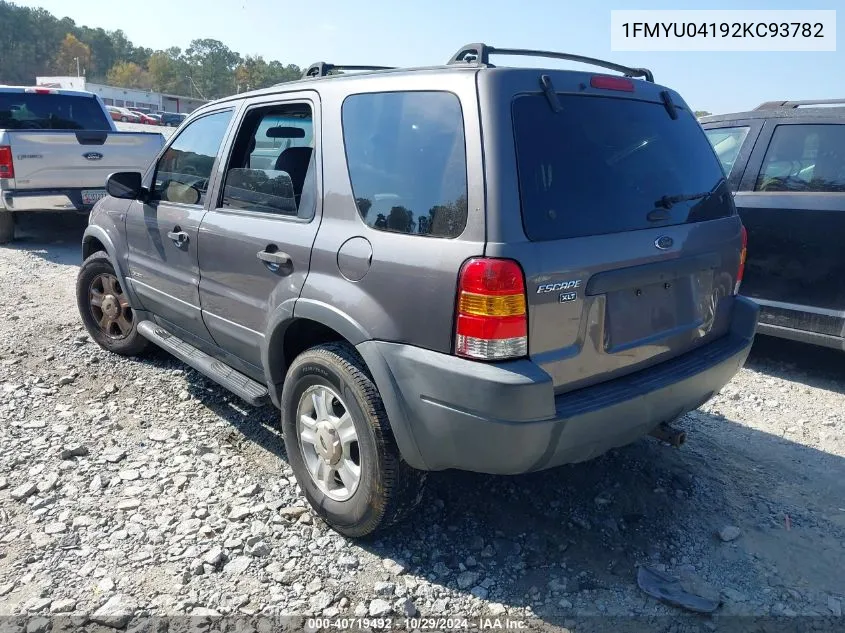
(480, 54)
(321, 69)
(772, 105)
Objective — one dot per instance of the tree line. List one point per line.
(33, 42)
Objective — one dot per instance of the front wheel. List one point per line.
(104, 307)
(340, 446)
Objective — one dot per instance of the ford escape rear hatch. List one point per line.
(634, 238)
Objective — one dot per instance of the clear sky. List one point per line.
(402, 33)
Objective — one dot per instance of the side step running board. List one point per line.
(242, 386)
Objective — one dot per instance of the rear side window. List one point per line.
(406, 153)
(727, 141)
(33, 111)
(804, 158)
(608, 165)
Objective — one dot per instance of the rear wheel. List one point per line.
(7, 226)
(104, 307)
(123, 119)
(340, 446)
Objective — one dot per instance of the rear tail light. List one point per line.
(7, 166)
(492, 321)
(41, 91)
(608, 82)
(743, 254)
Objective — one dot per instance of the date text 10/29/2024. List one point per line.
(418, 624)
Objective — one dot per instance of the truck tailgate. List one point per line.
(46, 159)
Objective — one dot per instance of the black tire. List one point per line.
(123, 119)
(130, 344)
(7, 226)
(389, 489)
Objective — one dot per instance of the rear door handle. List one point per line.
(178, 236)
(274, 260)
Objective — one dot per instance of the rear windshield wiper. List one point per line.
(667, 201)
(551, 94)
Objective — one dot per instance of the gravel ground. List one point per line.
(139, 486)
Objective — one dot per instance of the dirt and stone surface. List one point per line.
(138, 486)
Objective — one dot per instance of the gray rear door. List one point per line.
(162, 232)
(627, 235)
(255, 243)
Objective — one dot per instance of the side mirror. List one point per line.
(125, 184)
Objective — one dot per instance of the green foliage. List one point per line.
(72, 50)
(700, 113)
(129, 75)
(34, 42)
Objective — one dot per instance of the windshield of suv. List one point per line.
(33, 111)
(608, 165)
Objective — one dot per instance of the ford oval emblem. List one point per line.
(93, 155)
(664, 242)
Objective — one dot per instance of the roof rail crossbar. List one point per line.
(321, 69)
(480, 54)
(771, 105)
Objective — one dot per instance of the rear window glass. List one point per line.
(406, 153)
(32, 111)
(608, 165)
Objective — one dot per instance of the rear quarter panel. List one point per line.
(408, 292)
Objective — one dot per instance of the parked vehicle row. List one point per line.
(126, 115)
(498, 270)
(786, 162)
(57, 148)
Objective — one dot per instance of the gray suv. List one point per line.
(465, 266)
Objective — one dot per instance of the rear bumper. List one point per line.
(503, 418)
(50, 200)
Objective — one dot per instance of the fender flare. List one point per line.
(272, 353)
(92, 231)
(275, 368)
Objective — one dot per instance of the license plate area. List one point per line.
(90, 196)
(643, 314)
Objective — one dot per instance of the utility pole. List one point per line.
(77, 66)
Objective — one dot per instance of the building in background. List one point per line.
(131, 98)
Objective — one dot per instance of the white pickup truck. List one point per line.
(57, 148)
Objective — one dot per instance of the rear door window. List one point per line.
(272, 167)
(727, 141)
(807, 158)
(34, 111)
(608, 165)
